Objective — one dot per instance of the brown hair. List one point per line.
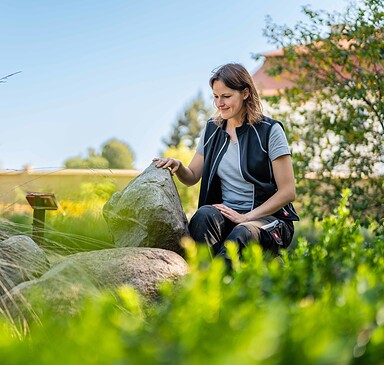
(236, 77)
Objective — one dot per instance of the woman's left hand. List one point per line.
(231, 214)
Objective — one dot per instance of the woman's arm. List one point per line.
(286, 193)
(286, 189)
(188, 175)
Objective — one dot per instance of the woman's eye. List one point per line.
(224, 96)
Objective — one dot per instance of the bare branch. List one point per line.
(4, 79)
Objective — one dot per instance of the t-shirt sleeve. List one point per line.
(278, 144)
(200, 144)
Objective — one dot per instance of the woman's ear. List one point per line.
(245, 93)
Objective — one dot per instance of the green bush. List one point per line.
(321, 303)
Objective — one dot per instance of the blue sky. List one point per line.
(95, 70)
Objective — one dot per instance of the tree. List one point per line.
(76, 163)
(118, 154)
(190, 123)
(115, 155)
(336, 107)
(93, 161)
(96, 161)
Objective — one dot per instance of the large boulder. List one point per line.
(7, 229)
(21, 259)
(142, 268)
(148, 212)
(60, 290)
(78, 276)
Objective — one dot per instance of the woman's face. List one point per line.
(229, 102)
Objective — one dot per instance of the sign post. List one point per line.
(40, 202)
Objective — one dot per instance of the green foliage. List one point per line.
(322, 303)
(76, 163)
(336, 108)
(115, 155)
(188, 127)
(83, 227)
(70, 233)
(118, 154)
(79, 225)
(102, 190)
(93, 161)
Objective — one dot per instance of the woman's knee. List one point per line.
(205, 213)
(206, 218)
(242, 235)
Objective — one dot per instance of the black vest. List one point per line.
(255, 165)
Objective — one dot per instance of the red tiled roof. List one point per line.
(270, 85)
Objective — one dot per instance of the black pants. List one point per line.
(209, 226)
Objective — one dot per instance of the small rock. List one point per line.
(21, 259)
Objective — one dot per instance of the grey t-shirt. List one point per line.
(236, 192)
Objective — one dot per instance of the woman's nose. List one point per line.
(220, 102)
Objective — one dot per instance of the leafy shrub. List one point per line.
(321, 303)
(99, 191)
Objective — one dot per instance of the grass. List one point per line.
(82, 228)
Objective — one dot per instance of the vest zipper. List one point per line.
(241, 172)
(214, 163)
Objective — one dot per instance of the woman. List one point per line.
(244, 162)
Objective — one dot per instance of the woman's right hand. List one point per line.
(166, 162)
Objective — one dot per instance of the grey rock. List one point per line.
(84, 274)
(7, 229)
(21, 259)
(142, 268)
(148, 212)
(60, 290)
